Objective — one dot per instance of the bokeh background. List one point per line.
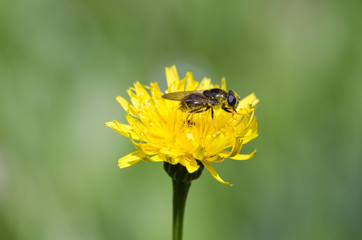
(62, 63)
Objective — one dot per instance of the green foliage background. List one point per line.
(62, 63)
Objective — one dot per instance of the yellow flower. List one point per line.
(162, 132)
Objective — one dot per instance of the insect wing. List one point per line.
(182, 96)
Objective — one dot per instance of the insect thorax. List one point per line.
(218, 95)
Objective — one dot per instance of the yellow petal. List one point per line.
(191, 165)
(205, 84)
(130, 159)
(149, 149)
(214, 173)
(134, 99)
(157, 158)
(216, 145)
(191, 84)
(223, 83)
(243, 156)
(141, 92)
(180, 86)
(155, 91)
(199, 153)
(171, 76)
(235, 150)
(127, 106)
(251, 131)
(215, 158)
(124, 103)
(123, 129)
(251, 99)
(134, 122)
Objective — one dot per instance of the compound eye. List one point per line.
(231, 100)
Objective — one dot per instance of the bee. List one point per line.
(203, 100)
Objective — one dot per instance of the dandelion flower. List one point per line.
(162, 132)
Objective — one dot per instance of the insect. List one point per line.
(203, 100)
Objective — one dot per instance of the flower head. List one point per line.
(161, 131)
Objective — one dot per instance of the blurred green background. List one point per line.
(62, 63)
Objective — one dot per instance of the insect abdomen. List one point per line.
(193, 103)
(190, 106)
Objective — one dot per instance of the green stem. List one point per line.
(181, 181)
(180, 190)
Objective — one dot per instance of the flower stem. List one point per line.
(180, 190)
(181, 181)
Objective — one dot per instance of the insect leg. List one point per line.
(227, 110)
(231, 111)
(212, 118)
(191, 111)
(198, 110)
